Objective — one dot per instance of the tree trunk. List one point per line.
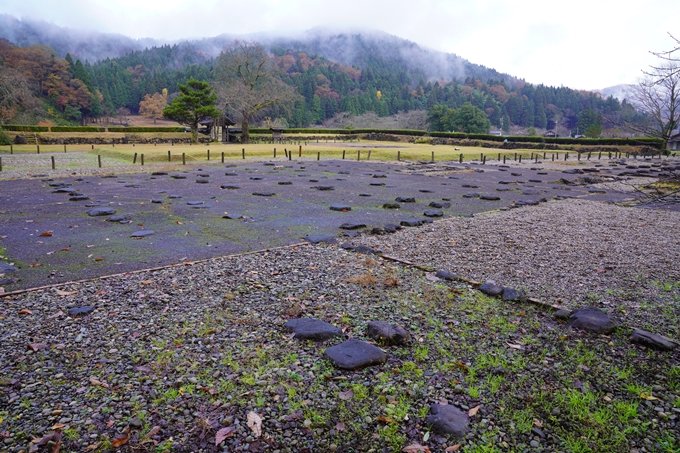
(245, 135)
(194, 133)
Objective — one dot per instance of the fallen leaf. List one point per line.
(254, 422)
(223, 434)
(54, 436)
(92, 447)
(155, 430)
(340, 426)
(452, 448)
(538, 423)
(347, 395)
(25, 311)
(35, 265)
(648, 396)
(99, 259)
(96, 382)
(58, 426)
(65, 293)
(121, 439)
(473, 411)
(37, 347)
(386, 420)
(146, 282)
(46, 234)
(414, 448)
(514, 346)
(56, 315)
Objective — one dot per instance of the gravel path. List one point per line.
(569, 253)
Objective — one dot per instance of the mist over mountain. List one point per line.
(357, 48)
(81, 44)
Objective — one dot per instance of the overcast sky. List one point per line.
(584, 44)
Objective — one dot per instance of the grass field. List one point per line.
(373, 150)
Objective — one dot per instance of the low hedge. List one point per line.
(146, 129)
(76, 129)
(22, 128)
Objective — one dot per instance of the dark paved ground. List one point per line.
(81, 246)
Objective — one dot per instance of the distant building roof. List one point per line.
(550, 134)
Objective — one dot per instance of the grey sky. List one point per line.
(582, 44)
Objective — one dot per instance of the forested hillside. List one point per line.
(348, 74)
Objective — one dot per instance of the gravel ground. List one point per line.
(568, 253)
(170, 359)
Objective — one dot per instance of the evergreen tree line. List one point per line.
(81, 90)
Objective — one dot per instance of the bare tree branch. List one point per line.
(247, 83)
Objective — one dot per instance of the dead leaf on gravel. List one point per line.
(340, 426)
(473, 411)
(98, 259)
(254, 422)
(54, 436)
(56, 315)
(96, 382)
(65, 293)
(37, 347)
(146, 282)
(415, 448)
(648, 396)
(25, 311)
(121, 439)
(35, 265)
(386, 420)
(514, 346)
(347, 395)
(223, 434)
(46, 234)
(538, 423)
(92, 447)
(452, 448)
(155, 430)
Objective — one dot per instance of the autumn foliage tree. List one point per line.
(152, 106)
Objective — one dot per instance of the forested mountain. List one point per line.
(349, 73)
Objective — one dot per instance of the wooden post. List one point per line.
(92, 146)
(38, 148)
(484, 160)
(515, 157)
(520, 158)
(553, 157)
(599, 156)
(0, 163)
(11, 148)
(358, 154)
(578, 156)
(369, 155)
(222, 156)
(134, 159)
(481, 157)
(432, 156)
(588, 155)
(318, 155)
(243, 153)
(290, 155)
(64, 147)
(566, 156)
(398, 156)
(300, 153)
(99, 160)
(343, 154)
(52, 162)
(274, 153)
(499, 157)
(169, 156)
(142, 160)
(503, 159)
(184, 159)
(460, 158)
(544, 154)
(208, 154)
(532, 156)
